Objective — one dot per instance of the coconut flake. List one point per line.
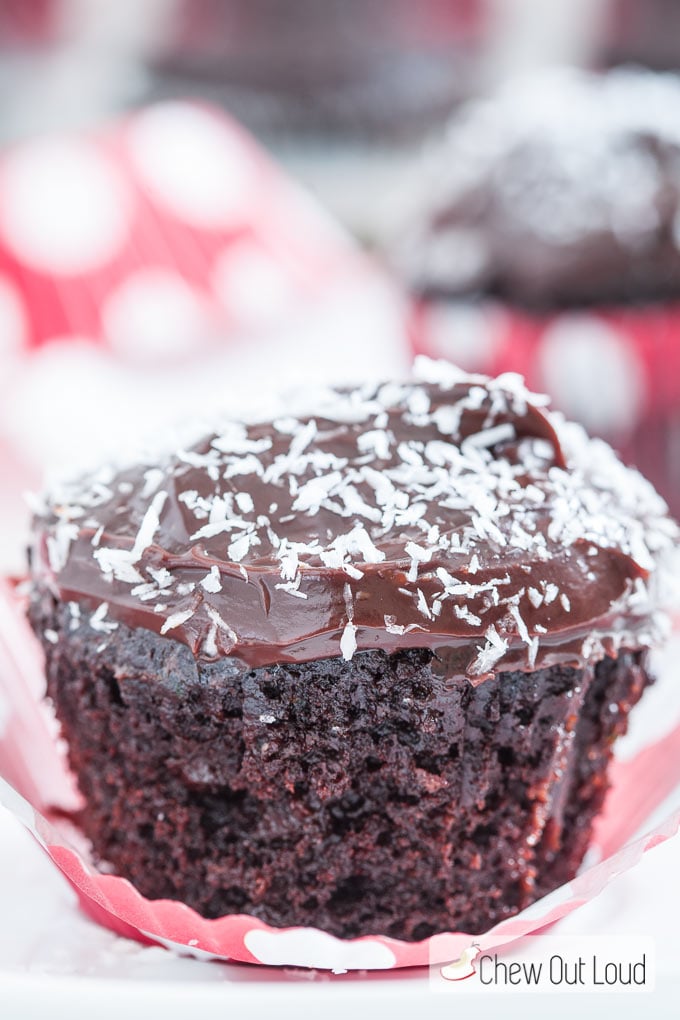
(240, 546)
(522, 629)
(348, 641)
(211, 582)
(422, 605)
(99, 622)
(463, 613)
(149, 526)
(59, 545)
(221, 624)
(176, 620)
(118, 564)
(244, 501)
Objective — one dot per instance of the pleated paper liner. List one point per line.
(160, 269)
(36, 782)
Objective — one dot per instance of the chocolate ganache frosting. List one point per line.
(453, 513)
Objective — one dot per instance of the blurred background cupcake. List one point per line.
(546, 240)
(642, 31)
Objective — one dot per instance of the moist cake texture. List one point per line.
(360, 668)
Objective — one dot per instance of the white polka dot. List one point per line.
(12, 319)
(462, 333)
(64, 209)
(155, 315)
(251, 285)
(191, 163)
(593, 373)
(307, 947)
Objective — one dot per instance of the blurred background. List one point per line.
(205, 201)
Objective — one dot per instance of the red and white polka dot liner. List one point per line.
(159, 270)
(169, 229)
(30, 763)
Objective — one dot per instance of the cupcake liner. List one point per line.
(176, 201)
(163, 269)
(162, 237)
(615, 369)
(38, 789)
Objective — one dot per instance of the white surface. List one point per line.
(44, 181)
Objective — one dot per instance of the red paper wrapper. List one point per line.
(178, 201)
(160, 269)
(41, 785)
(617, 370)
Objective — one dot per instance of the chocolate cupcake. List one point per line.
(647, 33)
(552, 212)
(359, 669)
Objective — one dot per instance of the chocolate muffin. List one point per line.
(643, 33)
(360, 668)
(545, 239)
(561, 191)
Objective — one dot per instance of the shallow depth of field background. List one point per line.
(114, 322)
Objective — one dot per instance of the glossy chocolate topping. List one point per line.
(453, 512)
